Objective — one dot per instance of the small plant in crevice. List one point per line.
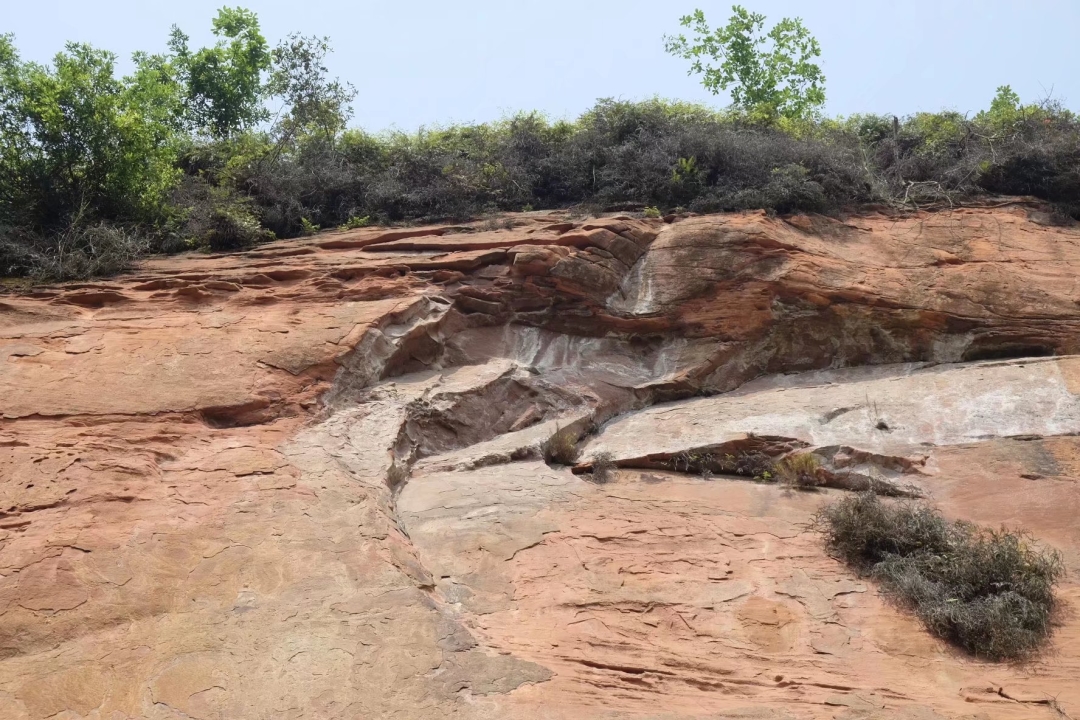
(307, 227)
(991, 592)
(692, 461)
(561, 448)
(494, 224)
(603, 468)
(753, 464)
(353, 223)
(396, 475)
(652, 212)
(800, 472)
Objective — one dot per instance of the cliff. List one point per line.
(307, 481)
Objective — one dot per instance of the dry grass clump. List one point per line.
(561, 448)
(75, 253)
(800, 472)
(603, 468)
(988, 591)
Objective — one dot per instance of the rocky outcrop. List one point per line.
(308, 481)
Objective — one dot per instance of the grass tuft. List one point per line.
(561, 448)
(800, 472)
(603, 468)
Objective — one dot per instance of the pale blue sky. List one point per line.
(422, 62)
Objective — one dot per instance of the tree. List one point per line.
(224, 83)
(300, 78)
(1005, 111)
(77, 141)
(769, 73)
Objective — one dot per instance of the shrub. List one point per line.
(355, 223)
(603, 468)
(307, 227)
(988, 591)
(232, 228)
(79, 143)
(801, 471)
(218, 218)
(652, 212)
(561, 448)
(753, 464)
(78, 252)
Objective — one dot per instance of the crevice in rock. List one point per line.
(755, 457)
(1007, 351)
(255, 412)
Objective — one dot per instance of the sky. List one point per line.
(433, 62)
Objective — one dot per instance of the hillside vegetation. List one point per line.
(97, 170)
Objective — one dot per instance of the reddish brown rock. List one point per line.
(307, 481)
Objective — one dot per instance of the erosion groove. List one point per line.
(310, 481)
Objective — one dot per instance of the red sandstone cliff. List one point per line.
(304, 482)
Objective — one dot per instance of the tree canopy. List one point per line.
(769, 73)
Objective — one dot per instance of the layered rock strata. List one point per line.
(307, 481)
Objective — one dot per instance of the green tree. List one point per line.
(1005, 111)
(771, 74)
(316, 104)
(224, 83)
(77, 141)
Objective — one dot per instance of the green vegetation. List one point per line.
(355, 223)
(97, 170)
(988, 591)
(770, 74)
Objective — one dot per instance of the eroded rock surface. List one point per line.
(308, 481)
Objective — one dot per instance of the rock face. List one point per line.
(308, 482)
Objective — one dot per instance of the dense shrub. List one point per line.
(988, 591)
(637, 155)
(78, 252)
(213, 217)
(97, 169)
(182, 153)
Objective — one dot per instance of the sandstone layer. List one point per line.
(306, 481)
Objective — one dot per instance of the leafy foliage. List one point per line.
(988, 591)
(300, 78)
(355, 223)
(183, 152)
(769, 73)
(155, 156)
(78, 141)
(223, 84)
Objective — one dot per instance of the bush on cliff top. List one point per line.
(655, 153)
(182, 154)
(988, 591)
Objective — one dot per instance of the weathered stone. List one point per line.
(308, 482)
